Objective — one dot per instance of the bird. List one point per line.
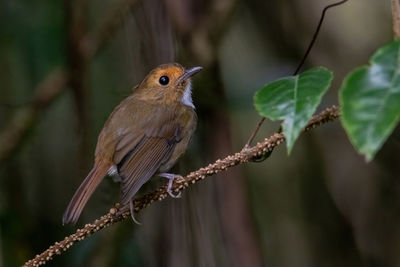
(144, 135)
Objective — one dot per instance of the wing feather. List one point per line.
(142, 165)
(141, 143)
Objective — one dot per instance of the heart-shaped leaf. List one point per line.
(294, 100)
(370, 100)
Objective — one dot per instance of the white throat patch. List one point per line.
(187, 96)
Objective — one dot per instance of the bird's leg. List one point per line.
(116, 178)
(113, 172)
(171, 177)
(132, 208)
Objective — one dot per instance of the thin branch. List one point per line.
(54, 84)
(26, 117)
(255, 132)
(116, 215)
(396, 18)
(303, 60)
(314, 38)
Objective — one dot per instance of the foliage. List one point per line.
(294, 100)
(369, 99)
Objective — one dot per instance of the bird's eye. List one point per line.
(164, 80)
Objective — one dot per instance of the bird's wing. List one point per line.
(139, 154)
(141, 165)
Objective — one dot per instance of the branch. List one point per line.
(116, 215)
(396, 18)
(26, 117)
(54, 84)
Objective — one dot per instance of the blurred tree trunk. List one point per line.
(191, 229)
(238, 235)
(76, 28)
(233, 209)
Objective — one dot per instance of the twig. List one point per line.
(396, 18)
(116, 215)
(255, 132)
(26, 117)
(314, 38)
(302, 61)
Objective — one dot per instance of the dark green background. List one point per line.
(322, 206)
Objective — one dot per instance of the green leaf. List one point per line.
(294, 100)
(370, 100)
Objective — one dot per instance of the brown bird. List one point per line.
(147, 132)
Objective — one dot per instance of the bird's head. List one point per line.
(167, 83)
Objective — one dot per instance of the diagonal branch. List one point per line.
(26, 117)
(55, 83)
(116, 215)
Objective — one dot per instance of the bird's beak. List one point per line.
(189, 73)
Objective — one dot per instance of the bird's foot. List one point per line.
(132, 208)
(171, 177)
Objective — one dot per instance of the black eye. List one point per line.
(164, 80)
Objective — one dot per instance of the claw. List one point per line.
(169, 191)
(171, 177)
(133, 213)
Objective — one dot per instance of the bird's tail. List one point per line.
(84, 192)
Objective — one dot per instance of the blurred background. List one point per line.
(64, 66)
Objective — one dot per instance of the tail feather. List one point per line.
(84, 192)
